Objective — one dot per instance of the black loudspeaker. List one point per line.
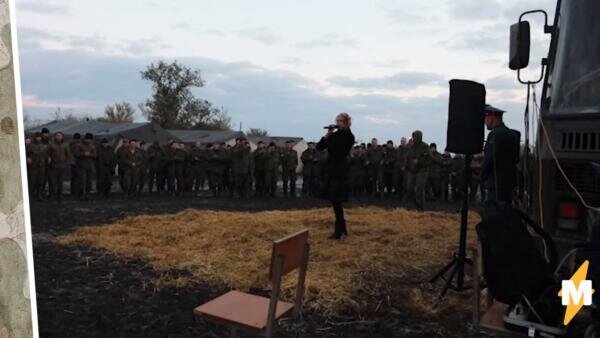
(465, 117)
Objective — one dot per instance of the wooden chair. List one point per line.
(256, 314)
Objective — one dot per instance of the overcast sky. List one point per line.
(285, 66)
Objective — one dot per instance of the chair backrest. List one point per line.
(291, 249)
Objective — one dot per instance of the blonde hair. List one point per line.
(346, 118)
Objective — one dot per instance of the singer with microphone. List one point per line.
(338, 141)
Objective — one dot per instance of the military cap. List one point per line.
(76, 136)
(45, 131)
(89, 136)
(491, 110)
(272, 144)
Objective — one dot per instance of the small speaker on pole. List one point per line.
(465, 117)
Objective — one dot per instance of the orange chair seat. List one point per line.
(241, 309)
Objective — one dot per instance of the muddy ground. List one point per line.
(86, 292)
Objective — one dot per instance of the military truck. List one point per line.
(566, 160)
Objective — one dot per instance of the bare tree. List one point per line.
(120, 112)
(257, 132)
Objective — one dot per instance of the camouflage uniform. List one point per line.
(59, 159)
(75, 168)
(217, 159)
(198, 161)
(445, 176)
(399, 172)
(121, 154)
(106, 168)
(240, 157)
(271, 168)
(357, 172)
(389, 159)
(143, 176)
(155, 162)
(85, 152)
(289, 163)
(310, 162)
(36, 164)
(375, 170)
(418, 159)
(132, 162)
(434, 178)
(176, 158)
(258, 158)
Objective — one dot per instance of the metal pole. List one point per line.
(464, 213)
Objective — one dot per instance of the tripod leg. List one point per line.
(442, 271)
(448, 282)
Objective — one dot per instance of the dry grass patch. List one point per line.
(233, 248)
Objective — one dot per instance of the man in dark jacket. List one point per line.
(501, 156)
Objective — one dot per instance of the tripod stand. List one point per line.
(457, 265)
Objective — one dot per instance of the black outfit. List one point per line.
(501, 156)
(335, 183)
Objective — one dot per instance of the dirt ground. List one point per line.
(87, 292)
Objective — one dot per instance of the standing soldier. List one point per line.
(475, 184)
(271, 167)
(240, 158)
(501, 156)
(445, 177)
(289, 163)
(36, 166)
(399, 174)
(227, 174)
(375, 170)
(216, 168)
(357, 171)
(176, 168)
(417, 163)
(59, 158)
(131, 168)
(198, 164)
(434, 178)
(258, 157)
(75, 183)
(121, 154)
(143, 166)
(310, 161)
(457, 175)
(45, 143)
(155, 156)
(85, 153)
(389, 158)
(106, 167)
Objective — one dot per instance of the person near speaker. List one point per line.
(338, 142)
(501, 156)
(418, 159)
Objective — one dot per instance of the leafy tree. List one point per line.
(257, 132)
(118, 113)
(173, 105)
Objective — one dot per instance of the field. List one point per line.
(139, 267)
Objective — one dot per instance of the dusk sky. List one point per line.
(285, 66)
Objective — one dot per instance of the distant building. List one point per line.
(190, 137)
(114, 132)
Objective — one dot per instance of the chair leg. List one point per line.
(233, 333)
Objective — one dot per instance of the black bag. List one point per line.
(512, 264)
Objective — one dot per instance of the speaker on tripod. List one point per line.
(464, 136)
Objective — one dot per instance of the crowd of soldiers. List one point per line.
(413, 170)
